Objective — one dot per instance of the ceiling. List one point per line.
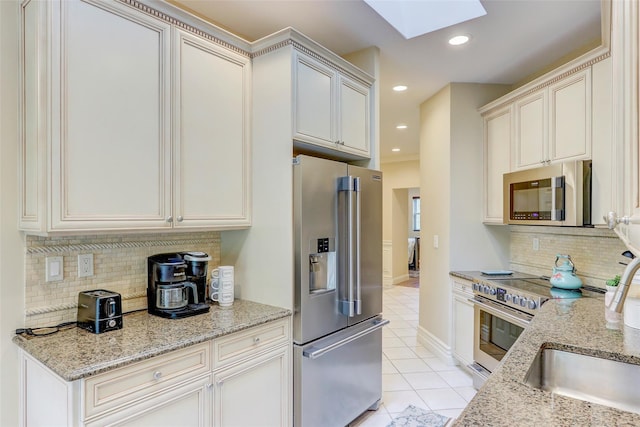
(515, 39)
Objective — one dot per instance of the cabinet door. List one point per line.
(354, 117)
(211, 134)
(188, 405)
(530, 131)
(462, 322)
(497, 152)
(255, 393)
(314, 102)
(603, 154)
(570, 118)
(110, 130)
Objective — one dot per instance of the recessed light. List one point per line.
(401, 127)
(400, 88)
(395, 150)
(458, 40)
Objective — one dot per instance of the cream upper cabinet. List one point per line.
(625, 54)
(570, 118)
(331, 110)
(554, 123)
(101, 95)
(211, 134)
(531, 130)
(315, 101)
(498, 129)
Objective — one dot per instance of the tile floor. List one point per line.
(410, 373)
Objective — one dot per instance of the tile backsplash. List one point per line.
(119, 265)
(596, 252)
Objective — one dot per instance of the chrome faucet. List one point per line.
(623, 288)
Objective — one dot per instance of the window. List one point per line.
(416, 214)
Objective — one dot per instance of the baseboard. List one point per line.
(401, 279)
(436, 346)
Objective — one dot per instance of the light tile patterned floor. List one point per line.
(410, 373)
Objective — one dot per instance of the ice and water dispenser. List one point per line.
(322, 265)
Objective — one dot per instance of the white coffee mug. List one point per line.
(222, 285)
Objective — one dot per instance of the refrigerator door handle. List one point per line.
(355, 248)
(346, 187)
(314, 353)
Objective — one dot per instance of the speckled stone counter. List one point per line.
(76, 353)
(576, 325)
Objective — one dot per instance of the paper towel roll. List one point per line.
(632, 312)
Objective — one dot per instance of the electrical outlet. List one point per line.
(85, 265)
(54, 268)
(536, 244)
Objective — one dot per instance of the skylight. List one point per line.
(413, 18)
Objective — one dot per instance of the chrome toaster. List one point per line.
(99, 311)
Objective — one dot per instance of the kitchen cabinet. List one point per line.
(463, 317)
(531, 129)
(625, 48)
(119, 133)
(553, 124)
(242, 378)
(211, 134)
(497, 151)
(330, 109)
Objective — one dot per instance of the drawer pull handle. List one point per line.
(157, 375)
(256, 340)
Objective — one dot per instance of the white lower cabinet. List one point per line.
(263, 382)
(241, 379)
(185, 405)
(462, 321)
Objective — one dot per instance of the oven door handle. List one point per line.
(496, 310)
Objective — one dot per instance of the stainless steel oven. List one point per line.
(496, 329)
(502, 310)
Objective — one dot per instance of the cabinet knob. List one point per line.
(256, 340)
(170, 219)
(612, 219)
(157, 375)
(209, 386)
(180, 219)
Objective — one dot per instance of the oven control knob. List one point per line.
(492, 291)
(507, 297)
(523, 302)
(474, 286)
(515, 299)
(532, 304)
(485, 289)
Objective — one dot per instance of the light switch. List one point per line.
(54, 268)
(436, 241)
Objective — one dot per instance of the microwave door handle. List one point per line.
(557, 205)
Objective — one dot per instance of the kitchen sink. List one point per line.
(593, 379)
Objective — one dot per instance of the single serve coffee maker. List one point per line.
(176, 284)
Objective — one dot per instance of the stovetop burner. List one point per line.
(526, 293)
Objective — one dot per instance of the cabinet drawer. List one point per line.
(244, 344)
(141, 380)
(462, 287)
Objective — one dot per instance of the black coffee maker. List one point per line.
(176, 287)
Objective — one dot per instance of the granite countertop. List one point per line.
(576, 325)
(76, 353)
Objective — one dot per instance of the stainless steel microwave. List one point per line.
(559, 194)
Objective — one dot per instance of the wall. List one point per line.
(120, 265)
(398, 177)
(451, 150)
(11, 242)
(596, 252)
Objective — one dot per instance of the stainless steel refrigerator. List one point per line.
(337, 331)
